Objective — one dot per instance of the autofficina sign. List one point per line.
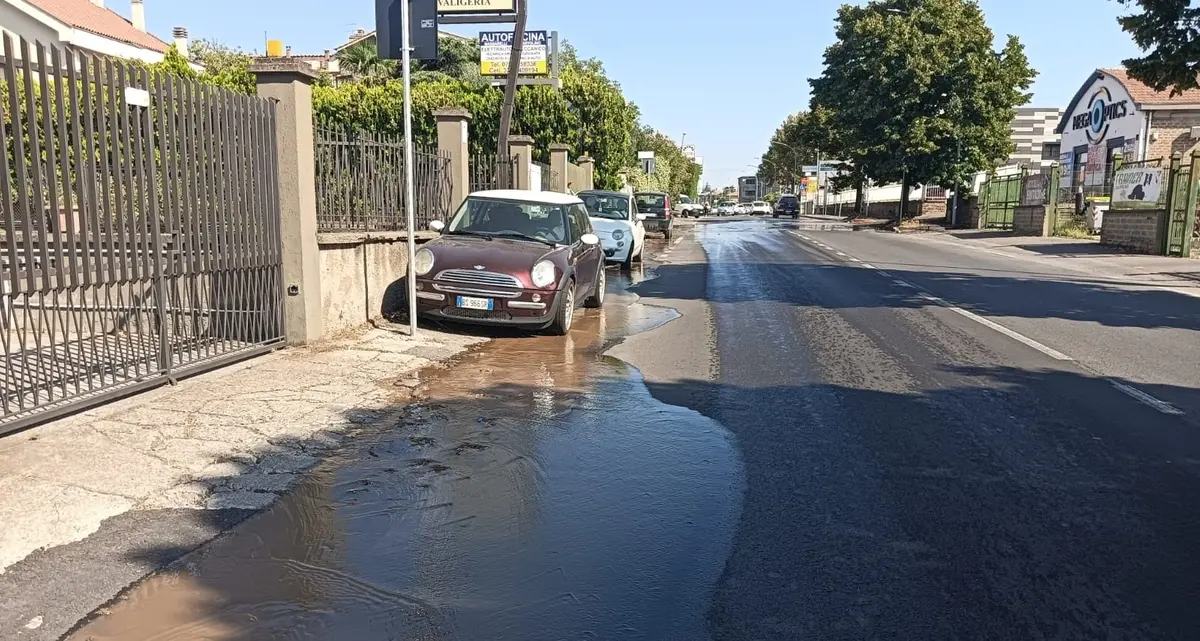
(1103, 112)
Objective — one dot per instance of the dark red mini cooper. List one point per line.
(511, 257)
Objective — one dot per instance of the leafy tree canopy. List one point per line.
(1168, 31)
(915, 89)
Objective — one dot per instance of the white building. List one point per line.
(83, 24)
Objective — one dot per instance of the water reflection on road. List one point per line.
(538, 492)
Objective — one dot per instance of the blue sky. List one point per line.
(726, 73)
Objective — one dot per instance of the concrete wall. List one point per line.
(1174, 133)
(1137, 231)
(889, 209)
(1030, 220)
(362, 278)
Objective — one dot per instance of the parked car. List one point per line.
(684, 207)
(657, 207)
(512, 257)
(787, 205)
(760, 207)
(617, 222)
(726, 209)
(743, 209)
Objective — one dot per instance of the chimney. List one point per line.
(287, 51)
(181, 41)
(137, 13)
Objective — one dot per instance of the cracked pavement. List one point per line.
(177, 465)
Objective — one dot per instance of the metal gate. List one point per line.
(1181, 210)
(140, 230)
(489, 172)
(1001, 195)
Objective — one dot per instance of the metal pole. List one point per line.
(510, 89)
(409, 196)
(954, 205)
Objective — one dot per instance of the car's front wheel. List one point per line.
(565, 314)
(597, 297)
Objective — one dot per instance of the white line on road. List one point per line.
(842, 254)
(1020, 338)
(677, 241)
(1139, 395)
(1134, 393)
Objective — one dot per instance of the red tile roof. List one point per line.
(85, 16)
(1145, 95)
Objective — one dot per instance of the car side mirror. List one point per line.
(437, 225)
(640, 216)
(589, 239)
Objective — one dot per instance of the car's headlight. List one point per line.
(618, 234)
(542, 273)
(423, 262)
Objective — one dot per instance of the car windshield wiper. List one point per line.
(466, 232)
(513, 234)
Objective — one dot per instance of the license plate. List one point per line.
(468, 302)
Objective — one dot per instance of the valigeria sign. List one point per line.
(476, 6)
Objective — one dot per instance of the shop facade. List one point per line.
(1114, 114)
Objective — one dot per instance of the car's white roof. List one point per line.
(525, 195)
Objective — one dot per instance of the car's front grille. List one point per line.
(481, 314)
(477, 278)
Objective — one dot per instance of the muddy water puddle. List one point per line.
(537, 492)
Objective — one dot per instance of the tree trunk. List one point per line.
(858, 199)
(904, 189)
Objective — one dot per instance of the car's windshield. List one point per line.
(609, 206)
(650, 201)
(499, 217)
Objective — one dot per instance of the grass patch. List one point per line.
(1075, 231)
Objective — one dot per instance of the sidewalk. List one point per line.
(230, 440)
(1083, 256)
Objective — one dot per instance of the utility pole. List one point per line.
(409, 196)
(957, 180)
(510, 89)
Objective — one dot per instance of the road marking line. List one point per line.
(1020, 338)
(842, 254)
(1139, 395)
(677, 241)
(868, 265)
(901, 283)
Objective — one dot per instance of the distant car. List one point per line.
(743, 209)
(511, 257)
(617, 222)
(787, 205)
(656, 205)
(760, 207)
(726, 209)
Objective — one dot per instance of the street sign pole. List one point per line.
(409, 195)
(510, 89)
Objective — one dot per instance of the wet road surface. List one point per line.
(499, 509)
(860, 463)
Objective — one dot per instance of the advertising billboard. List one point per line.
(495, 48)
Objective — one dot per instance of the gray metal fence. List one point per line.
(140, 235)
(489, 172)
(360, 182)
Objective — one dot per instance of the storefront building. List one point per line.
(1114, 113)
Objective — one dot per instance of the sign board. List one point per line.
(1066, 168)
(423, 29)
(1137, 187)
(810, 185)
(495, 48)
(1104, 111)
(1035, 191)
(453, 7)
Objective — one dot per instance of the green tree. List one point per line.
(363, 63)
(458, 59)
(224, 66)
(174, 62)
(917, 93)
(1168, 31)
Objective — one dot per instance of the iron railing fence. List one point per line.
(489, 172)
(139, 229)
(360, 182)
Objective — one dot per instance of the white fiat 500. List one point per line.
(616, 221)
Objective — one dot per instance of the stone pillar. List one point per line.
(453, 136)
(589, 173)
(559, 170)
(521, 147)
(288, 83)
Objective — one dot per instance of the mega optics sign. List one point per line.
(1101, 111)
(451, 7)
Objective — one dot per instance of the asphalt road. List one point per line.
(828, 435)
(915, 470)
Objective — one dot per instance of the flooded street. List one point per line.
(535, 491)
